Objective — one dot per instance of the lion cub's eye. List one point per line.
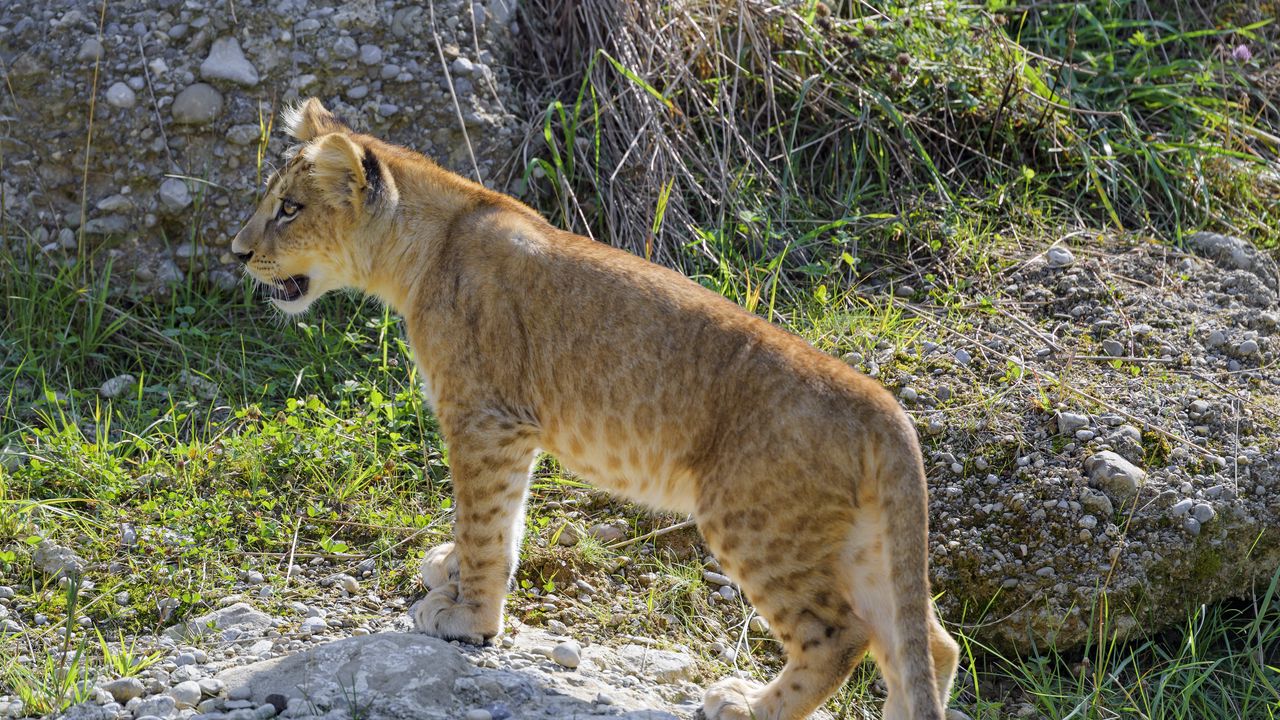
(289, 208)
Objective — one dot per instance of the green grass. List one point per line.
(804, 175)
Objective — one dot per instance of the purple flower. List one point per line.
(1242, 54)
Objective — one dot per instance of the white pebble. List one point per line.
(567, 654)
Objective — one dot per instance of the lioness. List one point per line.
(804, 476)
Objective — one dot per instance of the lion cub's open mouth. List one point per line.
(290, 288)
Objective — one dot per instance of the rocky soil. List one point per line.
(1107, 423)
(179, 96)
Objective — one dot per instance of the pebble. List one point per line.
(313, 625)
(963, 357)
(226, 61)
(1112, 348)
(124, 689)
(1216, 338)
(716, 578)
(567, 654)
(1248, 347)
(1059, 257)
(462, 66)
(479, 714)
(253, 577)
(908, 394)
(569, 535)
(6, 592)
(91, 49)
(345, 47)
(199, 104)
(370, 54)
(211, 686)
(174, 195)
(1191, 525)
(1070, 422)
(120, 95)
(350, 584)
(117, 386)
(1112, 473)
(606, 533)
(240, 692)
(1182, 507)
(1203, 513)
(185, 694)
(758, 624)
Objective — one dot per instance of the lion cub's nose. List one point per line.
(243, 257)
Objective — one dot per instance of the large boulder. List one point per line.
(413, 676)
(181, 95)
(1110, 458)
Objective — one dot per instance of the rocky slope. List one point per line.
(155, 114)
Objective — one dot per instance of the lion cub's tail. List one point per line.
(905, 501)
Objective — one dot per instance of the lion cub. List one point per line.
(804, 476)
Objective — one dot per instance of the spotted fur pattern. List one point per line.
(804, 476)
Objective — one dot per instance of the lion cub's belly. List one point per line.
(632, 463)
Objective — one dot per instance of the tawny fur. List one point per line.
(804, 476)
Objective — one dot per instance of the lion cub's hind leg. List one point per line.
(790, 571)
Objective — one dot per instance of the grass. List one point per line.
(806, 161)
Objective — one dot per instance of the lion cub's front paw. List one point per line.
(441, 614)
(730, 699)
(439, 566)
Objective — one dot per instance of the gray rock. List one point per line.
(1113, 348)
(161, 706)
(174, 195)
(370, 54)
(226, 61)
(1248, 347)
(56, 561)
(125, 689)
(245, 134)
(167, 272)
(1070, 422)
(1234, 253)
(1059, 257)
(962, 357)
(716, 578)
(185, 694)
(240, 616)
(199, 104)
(117, 386)
(90, 50)
(121, 96)
(1203, 513)
(345, 47)
(567, 654)
(1119, 477)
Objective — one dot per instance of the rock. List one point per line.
(398, 676)
(1059, 257)
(313, 625)
(117, 386)
(1235, 253)
(716, 578)
(607, 533)
(1119, 477)
(345, 47)
(240, 616)
(174, 195)
(226, 61)
(199, 104)
(90, 50)
(121, 96)
(349, 584)
(1203, 513)
(567, 654)
(908, 394)
(962, 357)
(6, 592)
(569, 535)
(185, 694)
(370, 54)
(56, 561)
(125, 689)
(1113, 348)
(1069, 422)
(161, 706)
(211, 686)
(478, 714)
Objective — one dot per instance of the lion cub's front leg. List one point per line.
(467, 579)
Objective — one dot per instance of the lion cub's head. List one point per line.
(308, 234)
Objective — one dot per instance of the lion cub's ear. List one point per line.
(309, 120)
(348, 175)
